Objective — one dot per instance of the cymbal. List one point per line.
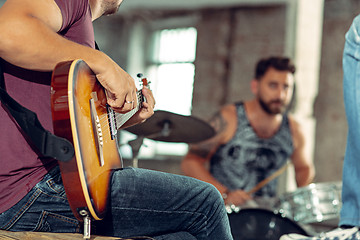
(170, 127)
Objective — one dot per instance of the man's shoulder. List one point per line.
(229, 110)
(296, 127)
(293, 121)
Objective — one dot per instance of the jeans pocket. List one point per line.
(55, 185)
(52, 222)
(10, 219)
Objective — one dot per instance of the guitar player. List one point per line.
(35, 36)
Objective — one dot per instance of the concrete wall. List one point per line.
(230, 42)
(331, 126)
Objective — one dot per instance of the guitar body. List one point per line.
(80, 115)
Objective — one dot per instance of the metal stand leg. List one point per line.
(87, 223)
(137, 143)
(135, 147)
(135, 162)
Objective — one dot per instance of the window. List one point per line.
(170, 70)
(172, 65)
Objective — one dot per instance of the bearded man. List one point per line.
(253, 140)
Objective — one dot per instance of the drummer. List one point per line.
(253, 140)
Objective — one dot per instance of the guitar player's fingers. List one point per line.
(149, 96)
(119, 105)
(146, 111)
(129, 103)
(130, 100)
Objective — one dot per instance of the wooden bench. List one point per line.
(47, 236)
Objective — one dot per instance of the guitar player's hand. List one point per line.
(145, 112)
(120, 86)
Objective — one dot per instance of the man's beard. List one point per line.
(110, 8)
(272, 111)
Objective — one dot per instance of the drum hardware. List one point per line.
(232, 208)
(135, 148)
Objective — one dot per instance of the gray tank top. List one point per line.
(247, 159)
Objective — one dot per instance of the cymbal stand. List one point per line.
(165, 131)
(137, 143)
(135, 147)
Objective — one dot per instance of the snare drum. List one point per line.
(256, 224)
(313, 203)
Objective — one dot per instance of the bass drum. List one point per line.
(256, 224)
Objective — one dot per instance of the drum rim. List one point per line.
(336, 186)
(293, 223)
(312, 186)
(274, 212)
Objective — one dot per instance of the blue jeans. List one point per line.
(350, 212)
(143, 203)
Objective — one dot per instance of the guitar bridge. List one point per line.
(96, 127)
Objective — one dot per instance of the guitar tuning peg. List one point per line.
(143, 80)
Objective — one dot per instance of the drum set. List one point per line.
(308, 210)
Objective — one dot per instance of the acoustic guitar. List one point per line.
(81, 115)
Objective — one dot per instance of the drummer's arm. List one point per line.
(303, 165)
(195, 163)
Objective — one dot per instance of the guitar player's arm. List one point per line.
(29, 39)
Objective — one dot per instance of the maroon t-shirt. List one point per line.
(21, 168)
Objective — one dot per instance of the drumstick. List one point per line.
(268, 179)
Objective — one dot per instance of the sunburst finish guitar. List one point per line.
(81, 115)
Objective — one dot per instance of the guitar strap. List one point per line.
(47, 144)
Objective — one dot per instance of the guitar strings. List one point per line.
(119, 118)
(105, 125)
